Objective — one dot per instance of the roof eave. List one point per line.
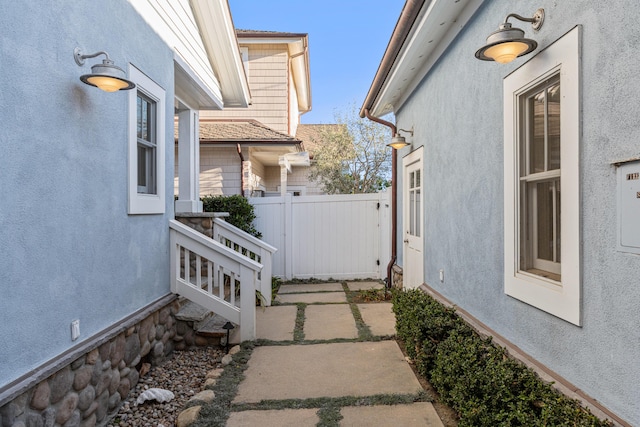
(213, 18)
(424, 31)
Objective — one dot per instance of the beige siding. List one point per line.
(219, 171)
(268, 80)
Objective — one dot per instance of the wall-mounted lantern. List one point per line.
(507, 43)
(106, 76)
(398, 141)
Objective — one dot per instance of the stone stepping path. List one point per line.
(318, 367)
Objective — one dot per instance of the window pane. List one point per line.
(558, 234)
(142, 167)
(545, 220)
(412, 210)
(417, 215)
(412, 180)
(536, 132)
(139, 117)
(553, 125)
(418, 178)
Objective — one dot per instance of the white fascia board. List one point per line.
(301, 73)
(434, 30)
(215, 25)
(190, 88)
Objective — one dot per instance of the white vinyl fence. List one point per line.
(339, 237)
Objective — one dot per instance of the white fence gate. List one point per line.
(339, 237)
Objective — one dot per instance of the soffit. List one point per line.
(433, 30)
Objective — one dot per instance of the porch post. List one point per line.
(188, 162)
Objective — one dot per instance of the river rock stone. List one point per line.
(60, 384)
(188, 416)
(89, 422)
(75, 419)
(118, 349)
(40, 398)
(78, 362)
(82, 377)
(132, 349)
(66, 408)
(86, 398)
(92, 357)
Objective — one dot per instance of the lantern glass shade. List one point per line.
(107, 84)
(398, 142)
(506, 52)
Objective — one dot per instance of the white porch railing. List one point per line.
(215, 277)
(250, 246)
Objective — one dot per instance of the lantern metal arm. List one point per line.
(536, 20)
(79, 57)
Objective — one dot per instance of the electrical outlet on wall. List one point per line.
(442, 275)
(75, 329)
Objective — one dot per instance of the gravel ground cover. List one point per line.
(183, 375)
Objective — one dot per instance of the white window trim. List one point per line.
(146, 203)
(559, 299)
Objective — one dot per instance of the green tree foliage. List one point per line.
(352, 157)
(241, 212)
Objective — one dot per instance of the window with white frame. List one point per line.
(541, 158)
(146, 145)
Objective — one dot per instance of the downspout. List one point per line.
(239, 148)
(394, 196)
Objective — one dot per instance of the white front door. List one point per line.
(413, 220)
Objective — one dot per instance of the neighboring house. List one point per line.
(245, 154)
(84, 270)
(553, 272)
(277, 68)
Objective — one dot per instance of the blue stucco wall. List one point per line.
(457, 113)
(69, 250)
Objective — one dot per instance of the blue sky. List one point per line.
(347, 39)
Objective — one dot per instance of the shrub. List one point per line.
(476, 378)
(241, 212)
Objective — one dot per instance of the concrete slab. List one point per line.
(274, 418)
(421, 414)
(360, 286)
(276, 323)
(379, 318)
(310, 287)
(310, 298)
(326, 370)
(325, 322)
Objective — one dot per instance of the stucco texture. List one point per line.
(69, 248)
(457, 114)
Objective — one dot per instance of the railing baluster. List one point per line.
(198, 272)
(232, 287)
(187, 265)
(209, 277)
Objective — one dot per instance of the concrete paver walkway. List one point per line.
(335, 362)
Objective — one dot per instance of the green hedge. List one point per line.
(241, 212)
(479, 380)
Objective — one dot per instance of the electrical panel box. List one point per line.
(629, 207)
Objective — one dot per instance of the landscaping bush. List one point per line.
(241, 212)
(479, 380)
